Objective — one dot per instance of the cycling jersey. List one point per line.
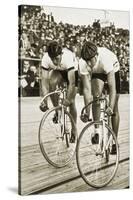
(106, 62)
(67, 61)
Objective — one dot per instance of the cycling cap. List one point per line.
(89, 50)
(54, 49)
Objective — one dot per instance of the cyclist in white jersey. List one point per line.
(98, 65)
(58, 67)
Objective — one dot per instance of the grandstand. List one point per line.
(36, 29)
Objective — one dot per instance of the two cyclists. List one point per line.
(97, 65)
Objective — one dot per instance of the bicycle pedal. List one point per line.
(106, 156)
(67, 132)
(113, 150)
(99, 153)
(72, 139)
(55, 119)
(95, 139)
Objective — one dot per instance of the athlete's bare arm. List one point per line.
(45, 82)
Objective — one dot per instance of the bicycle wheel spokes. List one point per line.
(91, 161)
(52, 137)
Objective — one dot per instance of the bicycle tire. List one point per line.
(49, 147)
(87, 162)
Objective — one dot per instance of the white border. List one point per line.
(8, 99)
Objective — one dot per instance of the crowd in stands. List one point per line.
(36, 29)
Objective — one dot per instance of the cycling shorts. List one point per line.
(103, 77)
(64, 75)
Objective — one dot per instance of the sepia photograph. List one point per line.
(73, 92)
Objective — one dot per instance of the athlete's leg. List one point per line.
(87, 91)
(116, 116)
(97, 89)
(115, 123)
(55, 80)
(73, 112)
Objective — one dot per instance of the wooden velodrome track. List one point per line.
(39, 177)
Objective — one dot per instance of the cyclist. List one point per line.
(58, 67)
(97, 66)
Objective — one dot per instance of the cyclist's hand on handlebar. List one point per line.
(43, 107)
(109, 111)
(66, 102)
(85, 118)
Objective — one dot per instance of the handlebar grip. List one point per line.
(85, 118)
(110, 115)
(113, 114)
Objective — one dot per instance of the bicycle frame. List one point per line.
(99, 148)
(57, 91)
(61, 114)
(61, 123)
(104, 139)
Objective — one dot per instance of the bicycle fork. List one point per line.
(63, 123)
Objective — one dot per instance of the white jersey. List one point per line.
(67, 61)
(106, 62)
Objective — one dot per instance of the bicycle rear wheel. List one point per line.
(95, 169)
(54, 137)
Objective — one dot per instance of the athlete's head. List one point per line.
(55, 52)
(89, 53)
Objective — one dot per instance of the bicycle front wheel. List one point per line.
(54, 137)
(95, 170)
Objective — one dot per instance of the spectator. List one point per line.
(35, 82)
(24, 44)
(26, 78)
